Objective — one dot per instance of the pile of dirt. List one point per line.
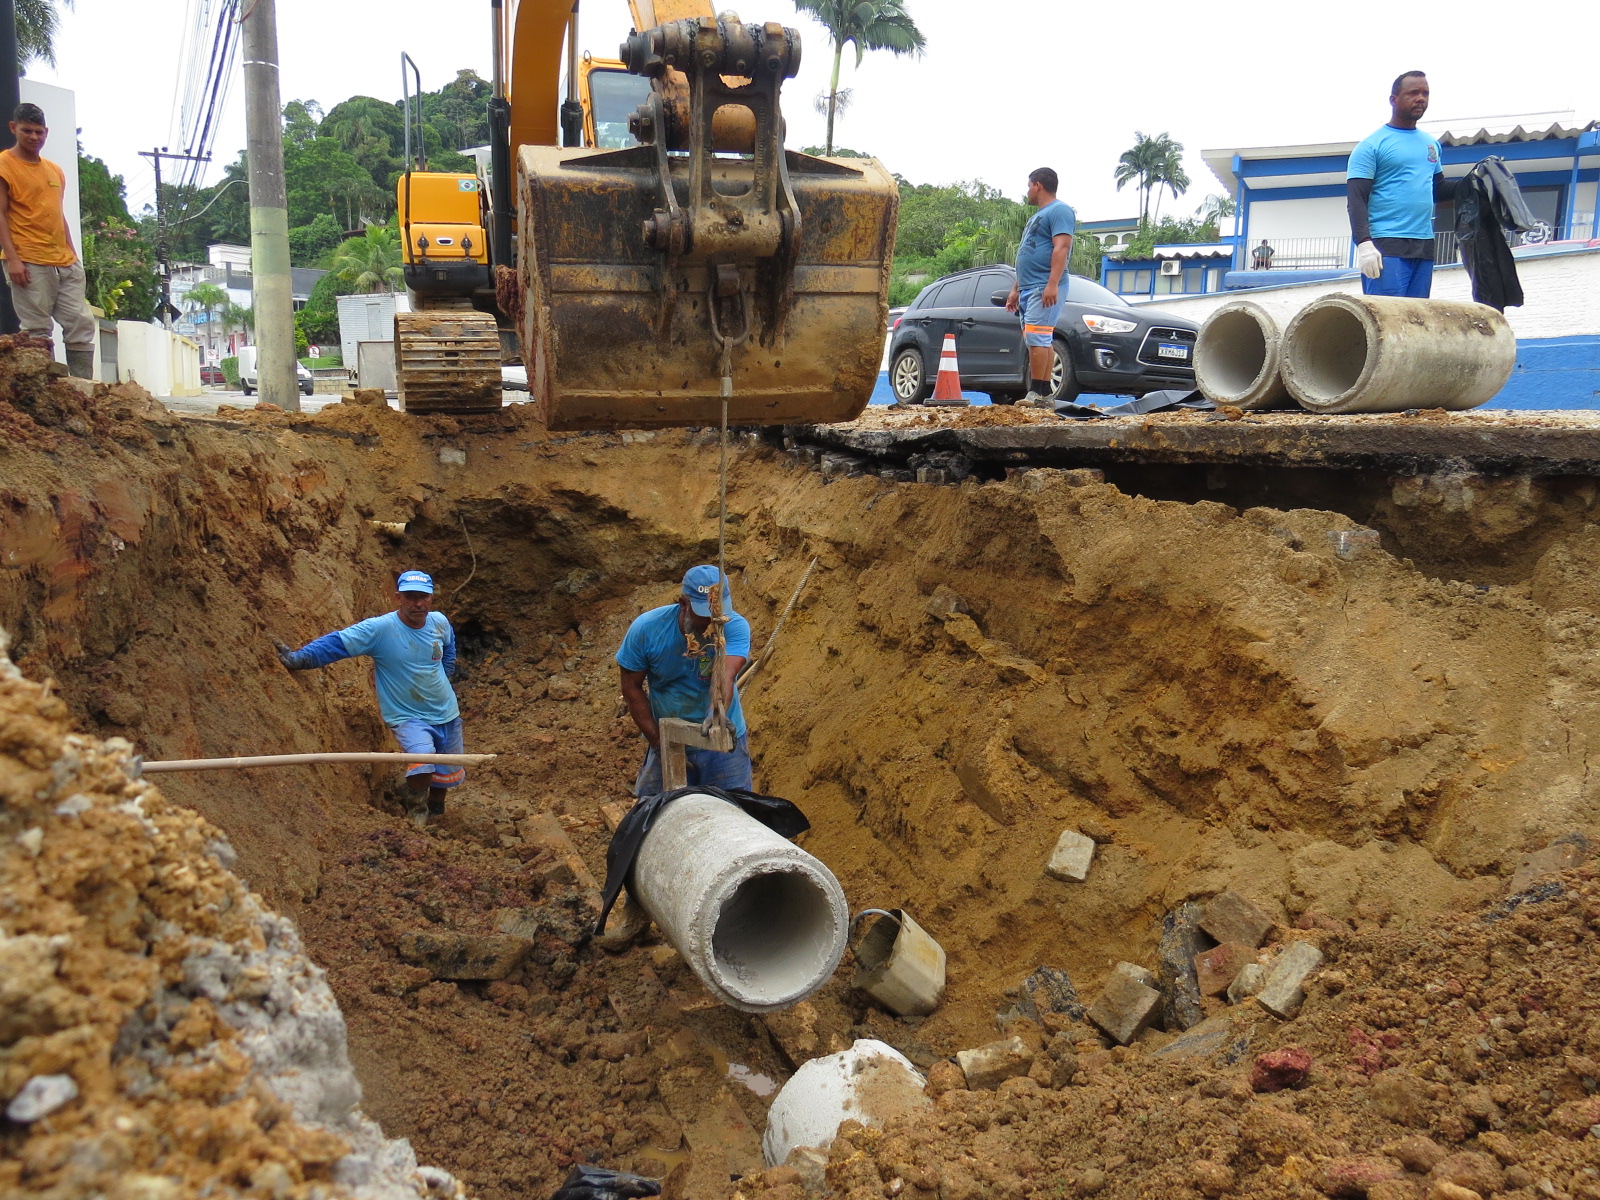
(1222, 700)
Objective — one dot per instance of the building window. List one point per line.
(1194, 279)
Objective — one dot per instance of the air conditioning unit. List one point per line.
(1171, 266)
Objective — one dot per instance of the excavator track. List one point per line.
(447, 360)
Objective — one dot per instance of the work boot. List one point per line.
(1035, 400)
(80, 364)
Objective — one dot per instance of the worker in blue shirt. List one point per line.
(413, 652)
(1041, 282)
(664, 649)
(1394, 180)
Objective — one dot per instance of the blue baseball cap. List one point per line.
(414, 581)
(697, 585)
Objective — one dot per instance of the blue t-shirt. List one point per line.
(1038, 241)
(408, 666)
(1401, 164)
(679, 686)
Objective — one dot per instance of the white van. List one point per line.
(247, 373)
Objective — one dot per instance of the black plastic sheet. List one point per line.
(584, 1182)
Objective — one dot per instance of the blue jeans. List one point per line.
(1401, 277)
(707, 768)
(421, 739)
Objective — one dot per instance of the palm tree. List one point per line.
(236, 316)
(37, 21)
(1170, 174)
(1214, 210)
(870, 25)
(369, 263)
(209, 297)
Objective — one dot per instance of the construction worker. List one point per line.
(42, 268)
(1040, 286)
(413, 652)
(663, 649)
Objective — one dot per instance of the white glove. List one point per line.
(1370, 259)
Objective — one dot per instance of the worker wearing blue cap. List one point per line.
(669, 649)
(413, 652)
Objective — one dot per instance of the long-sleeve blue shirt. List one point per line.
(411, 667)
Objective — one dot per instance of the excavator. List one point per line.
(645, 242)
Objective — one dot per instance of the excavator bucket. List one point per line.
(656, 282)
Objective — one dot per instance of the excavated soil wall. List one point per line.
(1274, 700)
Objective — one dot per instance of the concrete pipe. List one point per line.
(1354, 354)
(760, 922)
(1237, 358)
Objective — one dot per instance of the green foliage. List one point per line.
(300, 121)
(301, 344)
(1153, 163)
(320, 317)
(37, 22)
(230, 372)
(324, 179)
(457, 114)
(867, 25)
(372, 133)
(101, 195)
(837, 152)
(1086, 255)
(930, 212)
(369, 263)
(118, 262)
(310, 244)
(1188, 231)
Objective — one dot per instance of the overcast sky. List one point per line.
(1004, 86)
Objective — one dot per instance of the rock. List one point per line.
(1502, 1147)
(1563, 854)
(1471, 1169)
(1181, 940)
(1125, 1009)
(367, 398)
(1212, 1178)
(1575, 1118)
(1252, 977)
(1071, 858)
(41, 1096)
(1354, 1176)
(1279, 1069)
(1231, 918)
(1418, 1153)
(553, 861)
(1048, 990)
(1216, 969)
(1091, 1182)
(1223, 1038)
(464, 955)
(1393, 1189)
(945, 1076)
(1282, 993)
(989, 1066)
(562, 687)
(1136, 973)
(1443, 1189)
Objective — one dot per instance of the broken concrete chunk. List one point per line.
(1282, 993)
(1136, 973)
(1071, 858)
(1216, 969)
(1252, 977)
(41, 1096)
(1048, 990)
(1223, 1039)
(1563, 854)
(1231, 918)
(1181, 940)
(464, 955)
(987, 1067)
(1125, 1009)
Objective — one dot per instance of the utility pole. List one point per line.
(10, 97)
(168, 311)
(269, 209)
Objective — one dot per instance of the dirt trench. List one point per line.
(1221, 699)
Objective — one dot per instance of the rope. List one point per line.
(760, 660)
(462, 518)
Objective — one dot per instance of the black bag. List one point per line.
(584, 1182)
(1488, 205)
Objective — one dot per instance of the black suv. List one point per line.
(1102, 343)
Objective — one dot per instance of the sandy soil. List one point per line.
(1221, 699)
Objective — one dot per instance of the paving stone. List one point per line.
(1071, 858)
(987, 1067)
(1048, 990)
(1223, 1039)
(1282, 993)
(1215, 969)
(1181, 940)
(464, 955)
(1252, 977)
(1125, 1009)
(1137, 973)
(1231, 918)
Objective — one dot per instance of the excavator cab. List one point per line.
(705, 265)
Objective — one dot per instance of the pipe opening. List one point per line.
(1232, 354)
(775, 935)
(1328, 352)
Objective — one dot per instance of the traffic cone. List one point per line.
(947, 387)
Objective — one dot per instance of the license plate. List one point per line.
(1171, 350)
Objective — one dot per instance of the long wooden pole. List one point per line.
(295, 760)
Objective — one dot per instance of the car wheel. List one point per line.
(246, 388)
(1063, 379)
(908, 378)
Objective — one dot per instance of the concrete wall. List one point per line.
(162, 363)
(1312, 217)
(1558, 329)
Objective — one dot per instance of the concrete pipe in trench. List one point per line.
(1237, 358)
(760, 922)
(1362, 354)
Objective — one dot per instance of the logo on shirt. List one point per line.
(438, 652)
(1433, 153)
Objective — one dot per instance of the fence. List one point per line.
(1297, 254)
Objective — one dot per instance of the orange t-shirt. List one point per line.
(37, 190)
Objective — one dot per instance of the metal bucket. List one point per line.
(898, 964)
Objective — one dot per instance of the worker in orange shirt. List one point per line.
(42, 267)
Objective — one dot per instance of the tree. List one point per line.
(209, 298)
(371, 132)
(118, 269)
(1154, 163)
(320, 317)
(868, 25)
(1213, 211)
(369, 263)
(300, 121)
(310, 244)
(37, 23)
(458, 113)
(321, 177)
